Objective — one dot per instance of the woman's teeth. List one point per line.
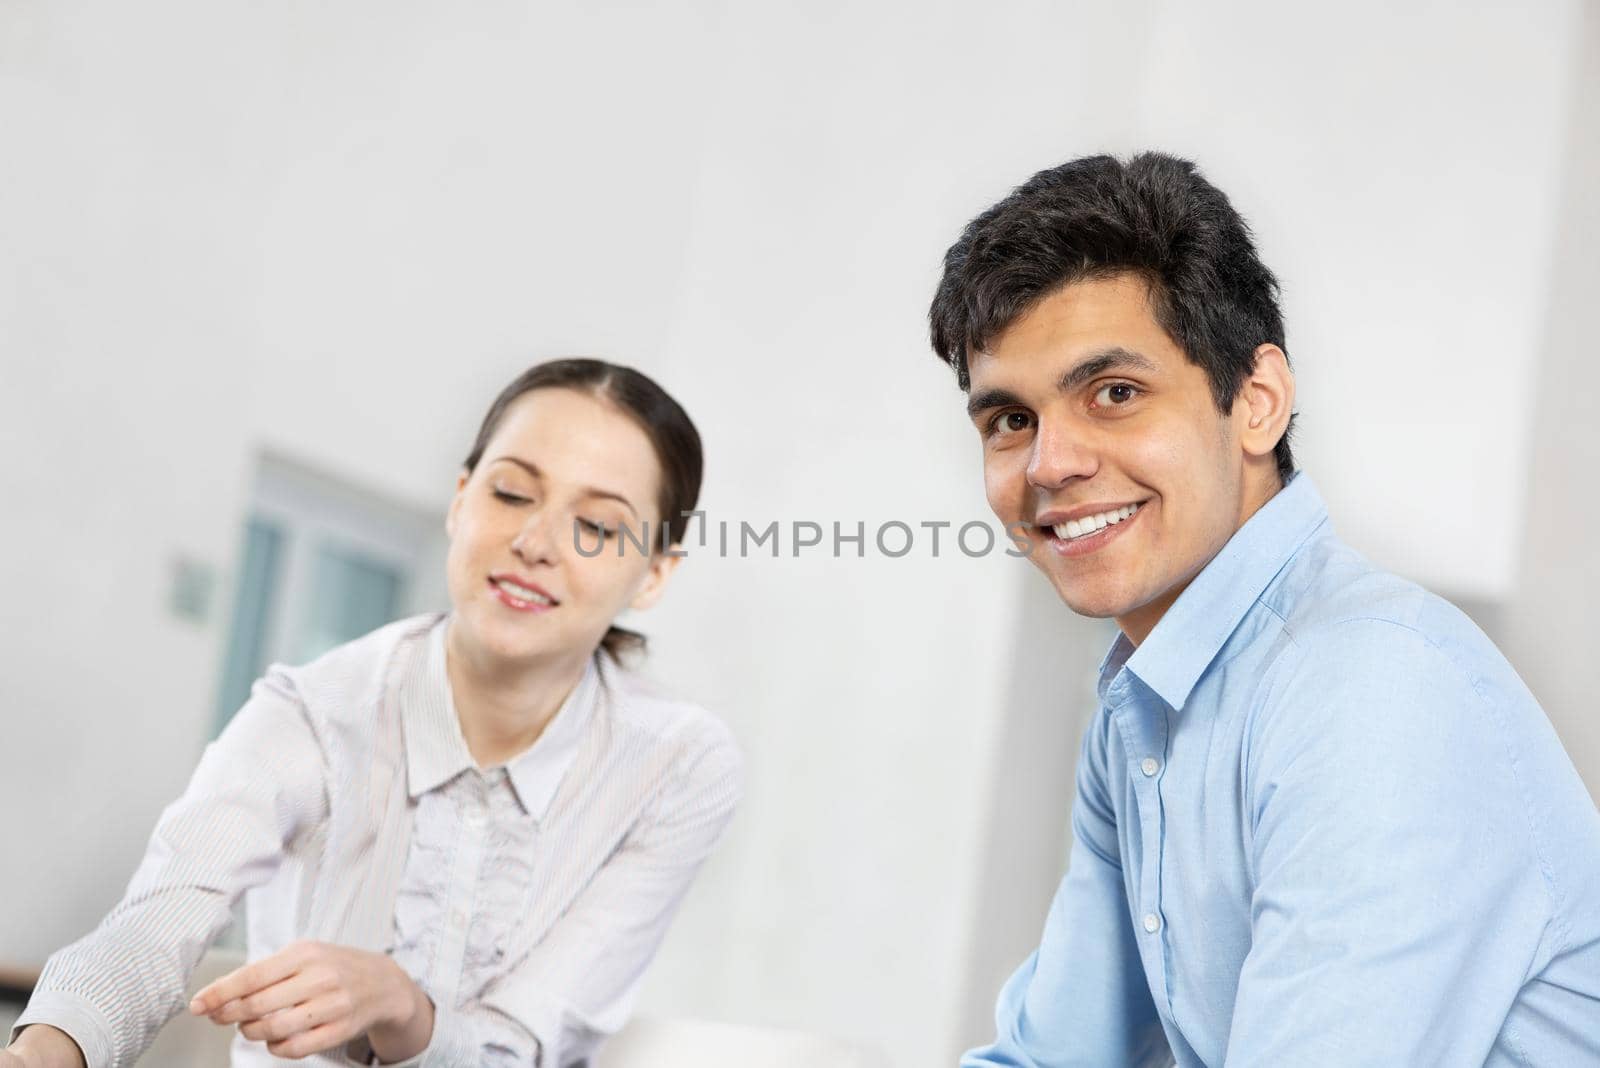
(522, 593)
(1078, 528)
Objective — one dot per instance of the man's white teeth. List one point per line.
(522, 593)
(1077, 528)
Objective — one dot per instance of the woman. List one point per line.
(463, 836)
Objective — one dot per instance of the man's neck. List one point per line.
(1138, 624)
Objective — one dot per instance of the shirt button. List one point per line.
(1149, 765)
(458, 919)
(1152, 922)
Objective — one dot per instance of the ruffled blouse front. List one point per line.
(469, 870)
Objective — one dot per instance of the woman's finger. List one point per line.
(299, 987)
(328, 1036)
(297, 1019)
(248, 979)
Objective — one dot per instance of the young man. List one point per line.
(1320, 820)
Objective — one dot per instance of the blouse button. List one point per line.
(1150, 765)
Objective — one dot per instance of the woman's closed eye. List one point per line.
(588, 526)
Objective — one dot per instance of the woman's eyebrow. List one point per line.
(587, 491)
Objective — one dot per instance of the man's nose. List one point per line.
(1060, 454)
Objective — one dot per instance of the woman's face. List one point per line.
(565, 471)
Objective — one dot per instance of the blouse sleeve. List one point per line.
(256, 788)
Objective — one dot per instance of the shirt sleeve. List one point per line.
(578, 984)
(1399, 900)
(1081, 999)
(256, 787)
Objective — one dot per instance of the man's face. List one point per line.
(1088, 411)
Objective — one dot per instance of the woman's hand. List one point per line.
(314, 996)
(42, 1046)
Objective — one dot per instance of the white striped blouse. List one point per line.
(526, 900)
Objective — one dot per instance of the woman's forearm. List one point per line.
(407, 1030)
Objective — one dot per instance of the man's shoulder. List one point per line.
(1335, 603)
(1365, 654)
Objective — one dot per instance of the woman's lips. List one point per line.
(521, 598)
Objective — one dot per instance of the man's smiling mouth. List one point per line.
(1079, 528)
(1087, 525)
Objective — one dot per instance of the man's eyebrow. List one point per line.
(588, 491)
(983, 400)
(1115, 358)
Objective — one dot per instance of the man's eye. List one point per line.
(1116, 394)
(1010, 422)
(508, 497)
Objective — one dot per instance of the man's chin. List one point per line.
(1094, 603)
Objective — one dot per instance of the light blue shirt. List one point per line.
(1320, 821)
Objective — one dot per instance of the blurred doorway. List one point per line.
(323, 561)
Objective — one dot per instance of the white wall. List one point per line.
(336, 230)
(1549, 620)
(1400, 163)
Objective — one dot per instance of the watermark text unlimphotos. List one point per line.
(894, 539)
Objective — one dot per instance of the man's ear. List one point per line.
(662, 565)
(455, 505)
(1265, 401)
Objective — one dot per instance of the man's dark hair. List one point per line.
(1154, 216)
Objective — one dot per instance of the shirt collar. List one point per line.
(1183, 644)
(436, 751)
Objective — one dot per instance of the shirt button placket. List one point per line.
(463, 888)
(1148, 788)
(1142, 740)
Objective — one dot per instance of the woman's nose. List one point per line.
(536, 542)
